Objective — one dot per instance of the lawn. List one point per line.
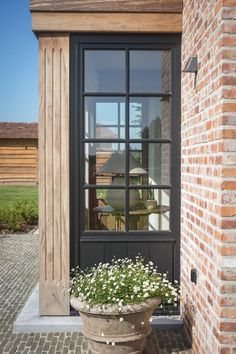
(18, 208)
(13, 194)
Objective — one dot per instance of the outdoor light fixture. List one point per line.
(192, 67)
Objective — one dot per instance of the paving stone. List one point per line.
(59, 346)
(19, 276)
(72, 345)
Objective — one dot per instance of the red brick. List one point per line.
(231, 237)
(228, 211)
(228, 224)
(225, 351)
(228, 250)
(229, 185)
(229, 68)
(228, 41)
(229, 27)
(229, 93)
(228, 3)
(228, 54)
(228, 80)
(229, 14)
(229, 172)
(227, 274)
(228, 326)
(227, 107)
(227, 300)
(229, 312)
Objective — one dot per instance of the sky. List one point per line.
(18, 63)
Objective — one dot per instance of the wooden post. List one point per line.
(54, 173)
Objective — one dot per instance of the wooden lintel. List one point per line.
(107, 22)
(107, 5)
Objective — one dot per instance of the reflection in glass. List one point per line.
(149, 70)
(104, 162)
(99, 214)
(104, 70)
(149, 118)
(154, 158)
(152, 212)
(104, 118)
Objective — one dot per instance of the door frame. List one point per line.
(77, 43)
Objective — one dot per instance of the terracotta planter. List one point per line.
(108, 334)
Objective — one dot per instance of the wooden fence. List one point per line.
(18, 161)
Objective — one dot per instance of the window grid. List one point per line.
(126, 140)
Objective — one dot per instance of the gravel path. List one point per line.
(18, 277)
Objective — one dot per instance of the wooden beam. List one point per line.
(54, 174)
(107, 5)
(107, 22)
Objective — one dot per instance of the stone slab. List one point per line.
(29, 320)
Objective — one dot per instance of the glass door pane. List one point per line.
(104, 210)
(153, 160)
(149, 70)
(104, 163)
(150, 214)
(104, 117)
(104, 71)
(149, 117)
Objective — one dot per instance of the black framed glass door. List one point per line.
(125, 122)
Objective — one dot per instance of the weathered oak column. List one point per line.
(54, 173)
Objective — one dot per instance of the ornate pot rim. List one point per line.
(113, 309)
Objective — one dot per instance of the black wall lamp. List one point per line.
(192, 67)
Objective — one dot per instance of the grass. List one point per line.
(10, 195)
(18, 208)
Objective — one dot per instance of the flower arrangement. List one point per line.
(122, 282)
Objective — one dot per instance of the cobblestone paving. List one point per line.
(18, 277)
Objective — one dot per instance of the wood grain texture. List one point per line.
(54, 174)
(107, 5)
(4, 160)
(107, 22)
(18, 161)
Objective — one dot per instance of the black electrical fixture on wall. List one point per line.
(194, 276)
(192, 67)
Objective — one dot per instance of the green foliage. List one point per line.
(102, 193)
(122, 282)
(18, 216)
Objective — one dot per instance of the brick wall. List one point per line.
(208, 220)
